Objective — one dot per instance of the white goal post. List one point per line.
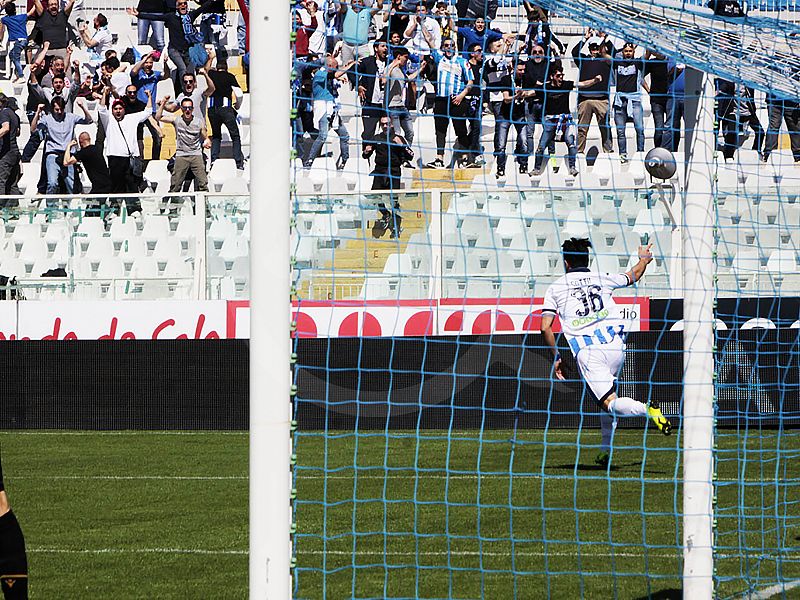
(270, 348)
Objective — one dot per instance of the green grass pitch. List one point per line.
(164, 515)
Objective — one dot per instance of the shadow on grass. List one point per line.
(671, 594)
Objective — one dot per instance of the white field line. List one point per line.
(13, 433)
(390, 476)
(129, 478)
(775, 590)
(45, 550)
(587, 551)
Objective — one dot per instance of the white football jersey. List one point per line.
(583, 302)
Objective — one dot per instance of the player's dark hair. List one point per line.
(102, 21)
(11, 9)
(576, 252)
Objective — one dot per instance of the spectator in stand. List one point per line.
(445, 20)
(326, 111)
(538, 32)
(151, 32)
(736, 109)
(517, 116)
(593, 100)
(98, 43)
(223, 104)
(303, 34)
(314, 27)
(356, 22)
(54, 25)
(391, 153)
(58, 66)
(558, 122)
(423, 33)
(121, 148)
(537, 73)
(478, 33)
(183, 34)
(191, 138)
(675, 95)
(628, 72)
(59, 90)
(145, 78)
(59, 127)
(371, 86)
(113, 74)
(472, 10)
(656, 67)
(397, 82)
(394, 19)
(94, 163)
(241, 27)
(212, 24)
(9, 153)
(453, 81)
(474, 109)
(199, 96)
(134, 105)
(497, 78)
(787, 111)
(16, 25)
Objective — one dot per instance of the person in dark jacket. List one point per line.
(593, 100)
(390, 151)
(182, 34)
(370, 85)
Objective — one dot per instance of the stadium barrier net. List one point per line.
(436, 453)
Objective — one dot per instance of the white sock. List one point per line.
(627, 407)
(608, 425)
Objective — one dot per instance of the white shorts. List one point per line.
(599, 365)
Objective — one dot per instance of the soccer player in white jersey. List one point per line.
(595, 330)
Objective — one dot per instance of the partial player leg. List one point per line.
(13, 561)
(608, 425)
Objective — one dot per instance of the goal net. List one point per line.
(442, 156)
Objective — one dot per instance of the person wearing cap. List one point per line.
(628, 72)
(593, 100)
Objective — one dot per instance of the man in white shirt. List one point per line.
(97, 44)
(592, 324)
(121, 146)
(418, 43)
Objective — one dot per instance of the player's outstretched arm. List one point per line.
(645, 258)
(550, 339)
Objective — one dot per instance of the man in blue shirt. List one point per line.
(17, 35)
(453, 81)
(356, 29)
(146, 78)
